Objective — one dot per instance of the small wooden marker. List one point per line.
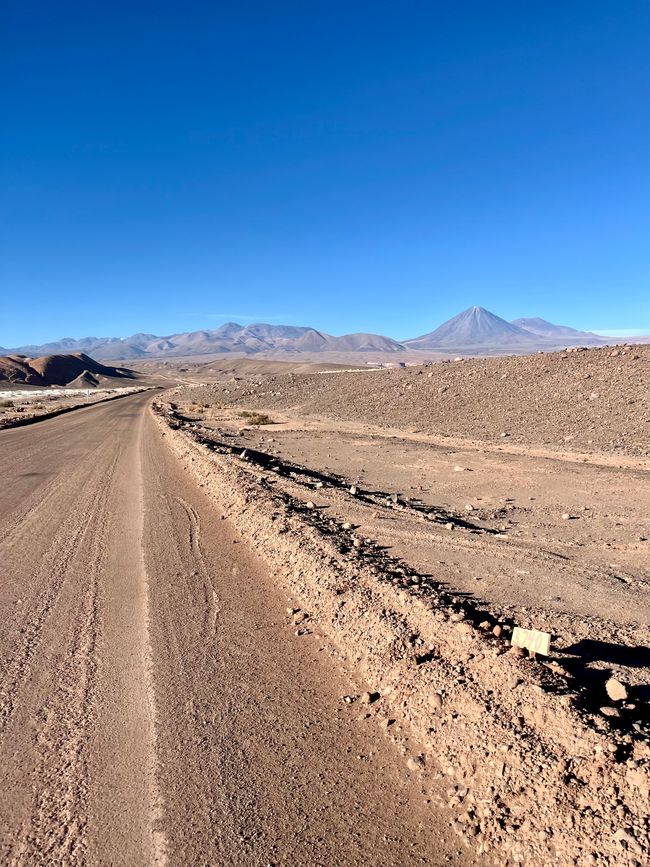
(532, 639)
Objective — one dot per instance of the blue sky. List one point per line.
(352, 166)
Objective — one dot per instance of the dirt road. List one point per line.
(156, 705)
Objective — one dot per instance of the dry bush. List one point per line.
(256, 418)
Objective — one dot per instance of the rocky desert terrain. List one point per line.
(415, 517)
(284, 605)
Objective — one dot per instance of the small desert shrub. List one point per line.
(256, 417)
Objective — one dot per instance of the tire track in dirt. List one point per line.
(71, 714)
(77, 750)
(50, 578)
(274, 771)
(211, 600)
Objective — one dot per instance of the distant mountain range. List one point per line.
(474, 331)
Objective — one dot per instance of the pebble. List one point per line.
(435, 701)
(616, 690)
(415, 763)
(609, 711)
(347, 525)
(310, 505)
(497, 631)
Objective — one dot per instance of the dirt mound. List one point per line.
(85, 380)
(59, 370)
(586, 400)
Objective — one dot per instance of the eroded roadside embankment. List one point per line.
(530, 780)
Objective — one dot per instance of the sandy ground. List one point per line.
(549, 540)
(157, 705)
(546, 759)
(487, 494)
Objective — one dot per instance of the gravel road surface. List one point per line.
(156, 705)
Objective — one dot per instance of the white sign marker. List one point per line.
(532, 639)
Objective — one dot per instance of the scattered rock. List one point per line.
(415, 763)
(610, 711)
(616, 690)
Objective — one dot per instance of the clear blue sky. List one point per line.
(373, 166)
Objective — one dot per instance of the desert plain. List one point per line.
(262, 612)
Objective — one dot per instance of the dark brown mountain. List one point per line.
(76, 368)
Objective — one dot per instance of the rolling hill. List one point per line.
(76, 369)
